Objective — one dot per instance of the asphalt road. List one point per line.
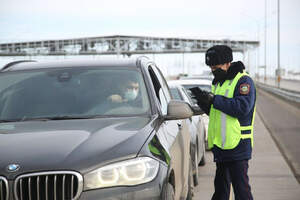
(283, 122)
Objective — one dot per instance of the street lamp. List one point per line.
(278, 43)
(265, 78)
(257, 23)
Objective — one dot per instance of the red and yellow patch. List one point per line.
(244, 88)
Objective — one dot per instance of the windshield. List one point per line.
(71, 92)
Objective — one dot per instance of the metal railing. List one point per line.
(284, 93)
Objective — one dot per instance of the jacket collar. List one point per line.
(234, 69)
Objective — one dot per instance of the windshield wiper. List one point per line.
(8, 120)
(66, 117)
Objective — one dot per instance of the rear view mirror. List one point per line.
(179, 110)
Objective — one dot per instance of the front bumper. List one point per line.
(147, 191)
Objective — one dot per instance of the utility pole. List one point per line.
(257, 51)
(183, 66)
(265, 78)
(278, 37)
(249, 62)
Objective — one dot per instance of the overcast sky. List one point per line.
(230, 19)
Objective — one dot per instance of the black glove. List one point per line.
(202, 96)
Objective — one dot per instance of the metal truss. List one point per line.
(119, 45)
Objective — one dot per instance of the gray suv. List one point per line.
(89, 130)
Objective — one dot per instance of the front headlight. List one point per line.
(130, 172)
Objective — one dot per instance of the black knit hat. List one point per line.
(217, 55)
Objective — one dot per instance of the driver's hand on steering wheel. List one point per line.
(115, 98)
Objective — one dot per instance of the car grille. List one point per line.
(3, 189)
(49, 186)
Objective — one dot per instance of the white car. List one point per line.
(198, 131)
(204, 84)
(205, 77)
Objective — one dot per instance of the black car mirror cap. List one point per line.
(197, 110)
(178, 110)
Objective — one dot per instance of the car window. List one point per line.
(187, 96)
(191, 96)
(175, 93)
(160, 94)
(71, 91)
(163, 83)
(164, 102)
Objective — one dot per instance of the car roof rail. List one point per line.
(8, 65)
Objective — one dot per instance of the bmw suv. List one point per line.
(71, 130)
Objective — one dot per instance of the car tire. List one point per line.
(168, 192)
(190, 183)
(203, 161)
(195, 168)
(206, 142)
(206, 145)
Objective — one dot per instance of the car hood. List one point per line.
(79, 145)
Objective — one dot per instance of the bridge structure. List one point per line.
(119, 45)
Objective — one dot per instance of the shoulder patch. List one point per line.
(244, 88)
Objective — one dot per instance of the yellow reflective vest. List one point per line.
(224, 130)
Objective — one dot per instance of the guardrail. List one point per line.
(284, 93)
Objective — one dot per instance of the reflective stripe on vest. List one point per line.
(223, 130)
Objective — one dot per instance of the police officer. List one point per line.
(231, 109)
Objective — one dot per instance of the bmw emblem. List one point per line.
(13, 167)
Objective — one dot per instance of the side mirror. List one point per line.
(178, 110)
(197, 110)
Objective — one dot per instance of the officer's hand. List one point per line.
(202, 96)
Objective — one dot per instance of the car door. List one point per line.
(179, 93)
(176, 133)
(198, 125)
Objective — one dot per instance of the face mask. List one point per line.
(130, 94)
(220, 74)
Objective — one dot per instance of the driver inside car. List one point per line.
(128, 93)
